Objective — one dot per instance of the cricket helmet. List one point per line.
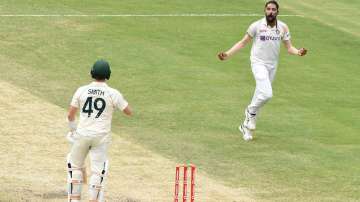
(100, 70)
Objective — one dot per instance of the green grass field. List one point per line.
(188, 104)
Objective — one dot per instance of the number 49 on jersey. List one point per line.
(99, 105)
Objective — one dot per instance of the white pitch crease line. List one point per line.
(146, 15)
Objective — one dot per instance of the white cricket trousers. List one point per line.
(264, 75)
(97, 148)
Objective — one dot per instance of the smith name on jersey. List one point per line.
(97, 102)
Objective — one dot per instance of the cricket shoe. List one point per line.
(247, 136)
(250, 120)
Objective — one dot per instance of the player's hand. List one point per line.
(302, 51)
(70, 137)
(222, 56)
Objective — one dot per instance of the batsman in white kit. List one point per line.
(96, 103)
(267, 35)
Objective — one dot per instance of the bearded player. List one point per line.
(96, 103)
(267, 35)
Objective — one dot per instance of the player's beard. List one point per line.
(270, 18)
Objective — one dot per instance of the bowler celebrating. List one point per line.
(267, 34)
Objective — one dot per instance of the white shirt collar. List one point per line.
(264, 22)
(96, 83)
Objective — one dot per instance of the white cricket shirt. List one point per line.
(96, 103)
(267, 40)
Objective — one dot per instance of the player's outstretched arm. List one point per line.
(239, 45)
(294, 51)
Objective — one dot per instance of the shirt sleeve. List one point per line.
(75, 101)
(287, 35)
(119, 101)
(252, 30)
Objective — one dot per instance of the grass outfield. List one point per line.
(188, 104)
